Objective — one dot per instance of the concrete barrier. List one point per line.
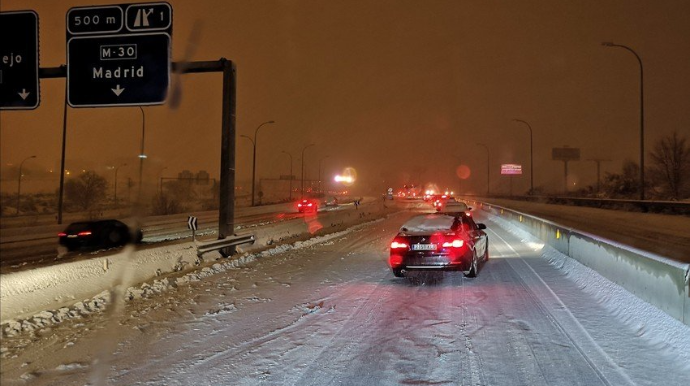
(655, 279)
(25, 293)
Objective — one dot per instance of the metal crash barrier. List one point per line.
(215, 245)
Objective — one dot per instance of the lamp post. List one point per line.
(531, 157)
(116, 169)
(142, 155)
(488, 170)
(642, 184)
(254, 158)
(19, 181)
(290, 155)
(320, 161)
(302, 190)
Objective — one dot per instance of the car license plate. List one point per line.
(423, 247)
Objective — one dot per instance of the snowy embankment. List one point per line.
(36, 298)
(666, 333)
(655, 279)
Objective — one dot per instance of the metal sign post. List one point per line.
(226, 218)
(192, 225)
(19, 85)
(511, 170)
(565, 154)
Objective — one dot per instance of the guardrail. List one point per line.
(215, 245)
(666, 207)
(657, 280)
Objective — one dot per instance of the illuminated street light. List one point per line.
(346, 179)
(610, 44)
(19, 180)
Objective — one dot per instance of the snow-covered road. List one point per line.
(332, 313)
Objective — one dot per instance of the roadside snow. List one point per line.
(40, 320)
(662, 330)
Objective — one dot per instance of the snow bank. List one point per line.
(40, 297)
(662, 282)
(667, 333)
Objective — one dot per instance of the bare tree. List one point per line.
(87, 190)
(625, 184)
(671, 162)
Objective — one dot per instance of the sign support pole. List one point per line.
(226, 218)
(62, 158)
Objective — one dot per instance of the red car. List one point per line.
(307, 205)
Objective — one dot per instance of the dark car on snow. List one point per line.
(98, 234)
(439, 242)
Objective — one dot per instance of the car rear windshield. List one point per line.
(78, 227)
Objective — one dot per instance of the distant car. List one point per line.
(97, 234)
(439, 242)
(307, 205)
(454, 208)
(333, 201)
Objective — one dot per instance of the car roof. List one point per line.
(428, 223)
(454, 206)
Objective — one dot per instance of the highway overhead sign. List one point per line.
(19, 85)
(565, 153)
(118, 55)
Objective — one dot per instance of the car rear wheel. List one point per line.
(114, 237)
(397, 272)
(473, 268)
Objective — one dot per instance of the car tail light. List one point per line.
(309, 204)
(62, 234)
(468, 213)
(457, 243)
(399, 245)
(395, 260)
(85, 233)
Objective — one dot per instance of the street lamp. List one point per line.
(305, 148)
(116, 169)
(142, 155)
(320, 161)
(19, 181)
(642, 184)
(488, 170)
(531, 157)
(254, 158)
(290, 155)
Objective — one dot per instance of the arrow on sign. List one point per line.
(24, 94)
(191, 223)
(117, 90)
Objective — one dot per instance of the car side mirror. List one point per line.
(469, 208)
(481, 226)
